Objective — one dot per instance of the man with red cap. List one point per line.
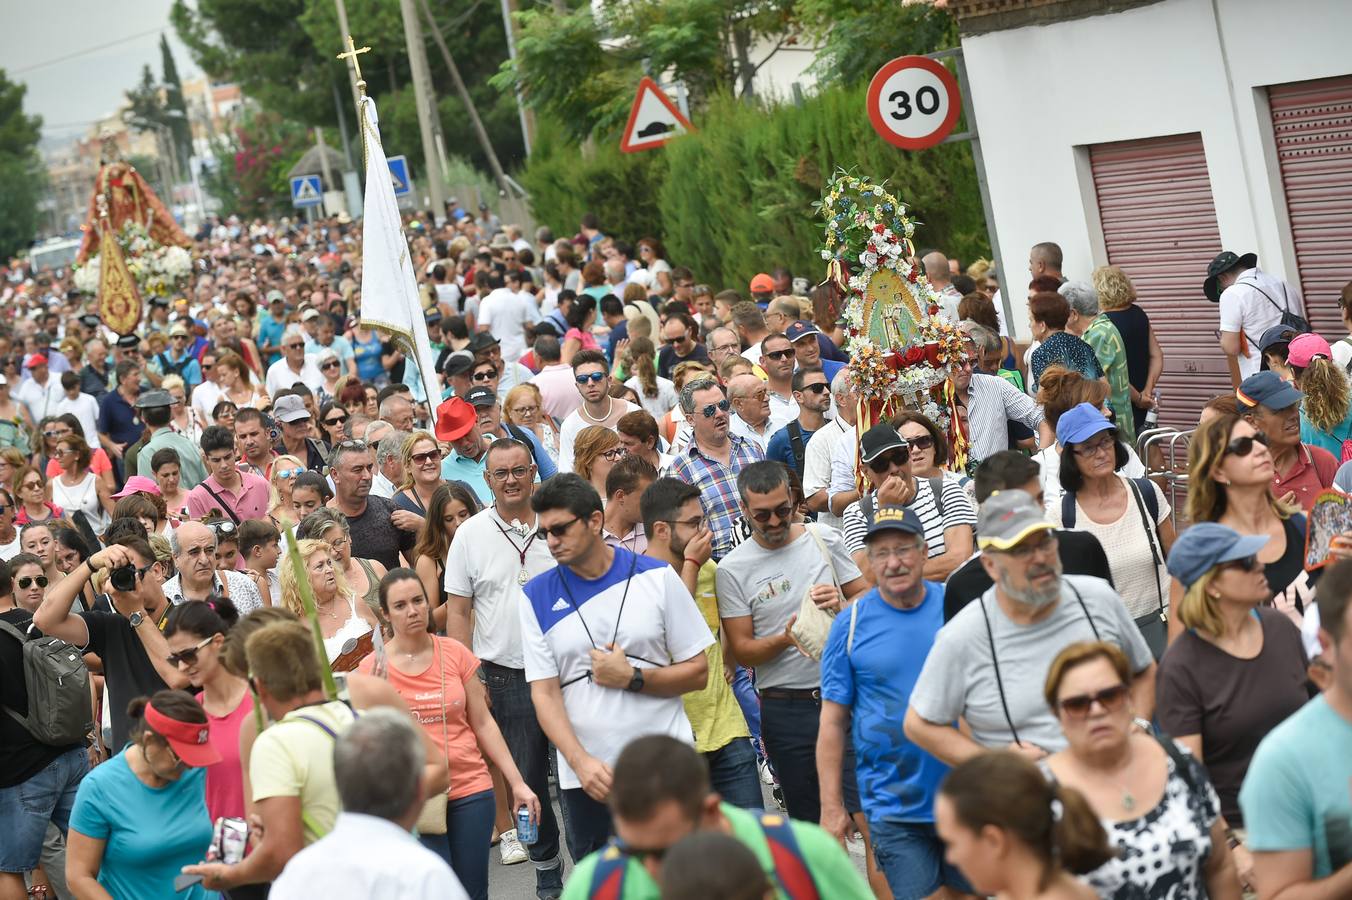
(762, 289)
(39, 393)
(458, 425)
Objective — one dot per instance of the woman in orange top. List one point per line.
(438, 678)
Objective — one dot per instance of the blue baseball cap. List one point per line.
(1080, 423)
(1206, 545)
(1268, 389)
(895, 518)
(799, 330)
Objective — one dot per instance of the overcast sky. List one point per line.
(71, 94)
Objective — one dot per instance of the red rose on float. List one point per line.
(913, 356)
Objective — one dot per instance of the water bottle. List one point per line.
(527, 830)
(1152, 415)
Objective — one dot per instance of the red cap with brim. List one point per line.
(762, 284)
(455, 418)
(190, 740)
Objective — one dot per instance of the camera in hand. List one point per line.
(123, 578)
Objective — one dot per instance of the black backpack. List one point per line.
(172, 368)
(57, 684)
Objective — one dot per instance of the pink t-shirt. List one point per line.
(423, 693)
(251, 500)
(585, 339)
(225, 779)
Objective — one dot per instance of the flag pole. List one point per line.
(307, 599)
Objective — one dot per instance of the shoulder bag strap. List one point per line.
(826, 554)
(791, 867)
(1152, 538)
(999, 682)
(854, 618)
(1068, 509)
(937, 489)
(796, 442)
(1180, 761)
(1076, 591)
(225, 507)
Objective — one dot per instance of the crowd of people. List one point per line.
(635, 599)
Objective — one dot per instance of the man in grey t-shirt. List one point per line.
(760, 586)
(989, 663)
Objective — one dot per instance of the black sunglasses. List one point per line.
(558, 530)
(720, 406)
(779, 354)
(1248, 563)
(27, 581)
(820, 387)
(331, 364)
(337, 420)
(486, 376)
(673, 340)
(898, 457)
(780, 513)
(921, 442)
(1111, 699)
(1243, 446)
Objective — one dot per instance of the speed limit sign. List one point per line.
(913, 102)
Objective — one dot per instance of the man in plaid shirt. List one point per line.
(714, 458)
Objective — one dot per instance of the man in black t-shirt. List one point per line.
(128, 638)
(369, 518)
(37, 781)
(678, 344)
(1010, 470)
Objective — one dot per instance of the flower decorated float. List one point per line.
(902, 351)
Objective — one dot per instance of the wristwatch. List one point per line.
(135, 619)
(636, 682)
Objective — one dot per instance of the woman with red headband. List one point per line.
(141, 817)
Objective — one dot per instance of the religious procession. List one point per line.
(677, 451)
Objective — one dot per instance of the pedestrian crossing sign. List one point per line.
(403, 184)
(306, 190)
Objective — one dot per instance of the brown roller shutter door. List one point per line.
(1312, 124)
(1159, 226)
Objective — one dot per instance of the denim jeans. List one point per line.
(732, 772)
(514, 711)
(27, 808)
(789, 727)
(911, 858)
(468, 842)
(587, 824)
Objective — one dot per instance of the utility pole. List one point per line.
(428, 118)
(527, 119)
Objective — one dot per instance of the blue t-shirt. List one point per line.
(830, 367)
(897, 780)
(270, 332)
(369, 365)
(780, 448)
(149, 834)
(1296, 794)
(455, 467)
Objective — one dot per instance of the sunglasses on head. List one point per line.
(897, 457)
(720, 406)
(779, 354)
(593, 377)
(1243, 446)
(1111, 699)
(27, 581)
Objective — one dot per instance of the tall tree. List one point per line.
(176, 107)
(21, 172)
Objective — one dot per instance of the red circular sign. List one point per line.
(913, 102)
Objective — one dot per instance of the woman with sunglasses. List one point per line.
(195, 632)
(1237, 670)
(343, 620)
(1129, 516)
(282, 480)
(77, 488)
(595, 450)
(1230, 482)
(422, 473)
(159, 778)
(451, 505)
(332, 417)
(929, 447)
(362, 575)
(30, 489)
(1153, 799)
(331, 368)
(236, 382)
(223, 413)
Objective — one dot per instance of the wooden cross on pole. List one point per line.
(351, 54)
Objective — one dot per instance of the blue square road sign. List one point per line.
(403, 184)
(306, 190)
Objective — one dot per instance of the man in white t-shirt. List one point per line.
(592, 377)
(507, 312)
(604, 666)
(83, 406)
(494, 553)
(293, 366)
(1251, 302)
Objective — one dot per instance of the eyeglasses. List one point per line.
(882, 554)
(721, 406)
(695, 522)
(525, 411)
(779, 513)
(1248, 563)
(516, 473)
(27, 581)
(187, 656)
(820, 387)
(1094, 448)
(1243, 446)
(1027, 549)
(289, 473)
(615, 453)
(426, 456)
(725, 348)
(779, 354)
(557, 531)
(331, 364)
(898, 457)
(593, 377)
(490, 374)
(338, 543)
(1111, 699)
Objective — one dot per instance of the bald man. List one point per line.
(750, 399)
(937, 273)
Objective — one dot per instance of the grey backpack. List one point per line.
(59, 708)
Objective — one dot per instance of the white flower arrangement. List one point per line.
(157, 269)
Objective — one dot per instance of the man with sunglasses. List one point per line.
(778, 361)
(988, 664)
(294, 365)
(678, 344)
(1299, 471)
(761, 584)
(496, 551)
(295, 424)
(491, 427)
(812, 393)
(177, 359)
(714, 457)
(156, 412)
(487, 348)
(591, 374)
(196, 576)
(595, 656)
(127, 638)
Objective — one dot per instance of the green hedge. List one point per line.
(734, 198)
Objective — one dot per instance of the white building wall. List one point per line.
(1042, 94)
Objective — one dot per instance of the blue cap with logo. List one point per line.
(1080, 423)
(1202, 547)
(1267, 389)
(799, 330)
(895, 518)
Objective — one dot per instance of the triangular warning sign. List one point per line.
(653, 120)
(306, 191)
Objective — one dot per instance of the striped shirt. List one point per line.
(717, 484)
(958, 510)
(992, 403)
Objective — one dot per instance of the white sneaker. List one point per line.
(511, 849)
(766, 776)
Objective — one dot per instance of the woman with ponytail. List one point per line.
(195, 633)
(141, 817)
(1015, 834)
(657, 394)
(1326, 414)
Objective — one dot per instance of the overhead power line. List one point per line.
(85, 52)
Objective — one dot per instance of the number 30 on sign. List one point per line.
(913, 102)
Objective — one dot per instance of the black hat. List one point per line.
(458, 363)
(1224, 262)
(153, 399)
(128, 342)
(481, 397)
(878, 440)
(481, 341)
(90, 321)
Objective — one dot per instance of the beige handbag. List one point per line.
(432, 819)
(813, 624)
